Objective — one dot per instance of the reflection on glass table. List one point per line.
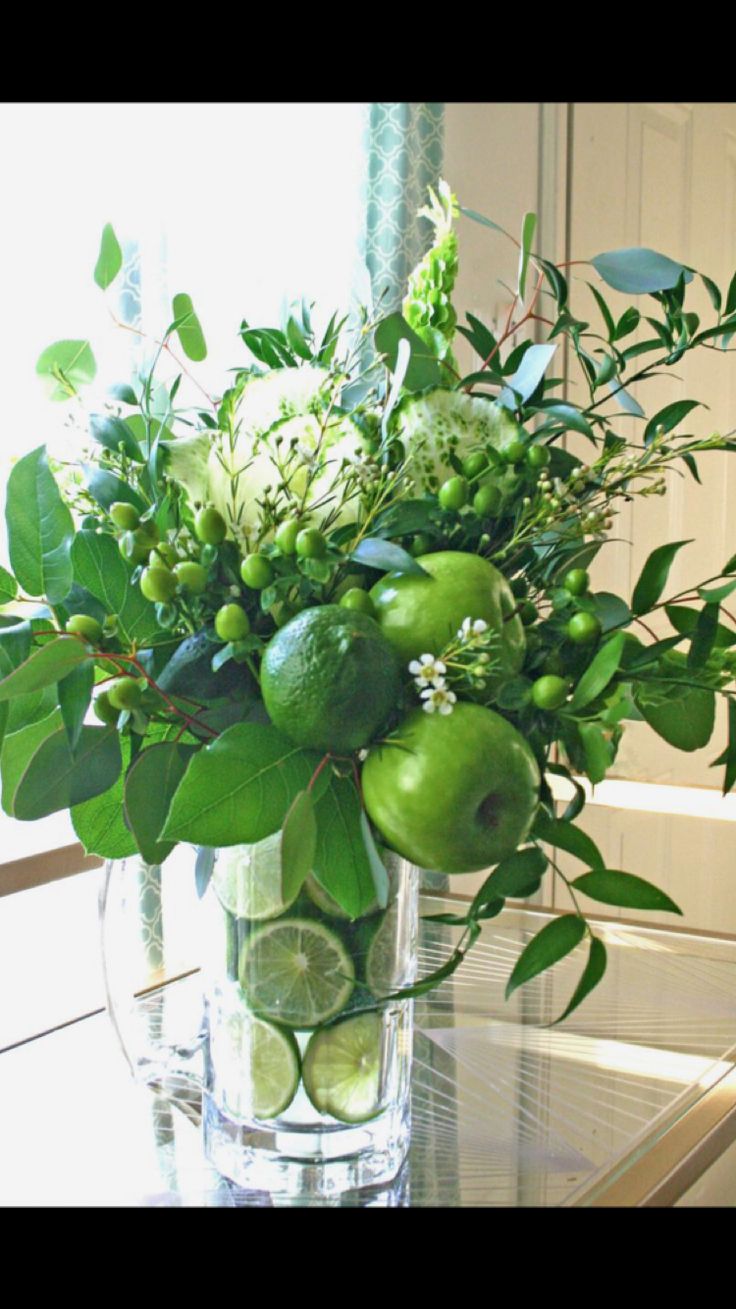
(507, 1110)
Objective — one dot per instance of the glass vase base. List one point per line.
(304, 1165)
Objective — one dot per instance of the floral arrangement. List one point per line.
(348, 598)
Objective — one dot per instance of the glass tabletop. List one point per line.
(506, 1109)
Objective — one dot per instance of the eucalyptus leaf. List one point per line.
(45, 665)
(115, 434)
(75, 694)
(189, 329)
(150, 784)
(64, 367)
(110, 258)
(529, 374)
(551, 944)
(386, 557)
(611, 886)
(107, 489)
(8, 587)
(639, 271)
(686, 722)
(626, 401)
(56, 779)
(424, 369)
(18, 749)
(40, 529)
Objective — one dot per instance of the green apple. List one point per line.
(420, 615)
(452, 793)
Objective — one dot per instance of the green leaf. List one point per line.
(424, 368)
(115, 434)
(713, 292)
(669, 417)
(653, 576)
(100, 569)
(686, 722)
(598, 752)
(403, 356)
(100, 823)
(55, 779)
(238, 789)
(385, 556)
(605, 312)
(526, 379)
(728, 757)
(563, 836)
(341, 863)
(610, 610)
(715, 594)
(64, 367)
(378, 868)
(628, 321)
(40, 529)
(189, 330)
(298, 845)
(107, 489)
(150, 784)
(704, 636)
(528, 228)
(572, 418)
(516, 877)
(75, 694)
(479, 218)
(551, 944)
(574, 806)
(8, 587)
(445, 970)
(684, 620)
(49, 663)
(598, 673)
(626, 401)
(639, 271)
(556, 280)
(592, 974)
(123, 391)
(18, 749)
(731, 296)
(610, 886)
(109, 260)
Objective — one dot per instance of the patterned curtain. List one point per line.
(403, 144)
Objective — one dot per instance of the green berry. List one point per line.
(549, 692)
(583, 628)
(310, 544)
(83, 625)
(538, 456)
(514, 452)
(232, 623)
(163, 554)
(453, 493)
(576, 581)
(158, 584)
(105, 711)
(487, 500)
(210, 526)
(475, 465)
(360, 600)
(124, 693)
(124, 515)
(528, 613)
(192, 576)
(519, 588)
(256, 571)
(286, 536)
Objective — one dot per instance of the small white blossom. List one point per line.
(472, 628)
(438, 698)
(428, 671)
(362, 755)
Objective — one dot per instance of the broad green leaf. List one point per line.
(100, 823)
(528, 228)
(385, 556)
(341, 864)
(64, 367)
(55, 779)
(40, 529)
(515, 877)
(149, 788)
(610, 610)
(714, 594)
(563, 836)
(610, 886)
(100, 569)
(75, 694)
(626, 401)
(598, 752)
(298, 844)
(424, 368)
(686, 722)
(704, 636)
(728, 757)
(669, 417)
(115, 434)
(551, 944)
(110, 258)
(684, 620)
(124, 392)
(107, 489)
(628, 321)
(653, 576)
(572, 418)
(592, 974)
(238, 789)
(527, 377)
(8, 587)
(189, 330)
(598, 673)
(639, 271)
(18, 749)
(378, 868)
(48, 663)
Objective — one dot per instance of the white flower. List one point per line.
(428, 671)
(438, 698)
(471, 629)
(363, 755)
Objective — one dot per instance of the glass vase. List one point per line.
(302, 1062)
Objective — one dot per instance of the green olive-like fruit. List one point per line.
(310, 543)
(257, 571)
(360, 600)
(583, 628)
(453, 493)
(84, 625)
(106, 712)
(158, 584)
(576, 581)
(286, 536)
(514, 452)
(124, 515)
(538, 456)
(475, 465)
(232, 623)
(549, 692)
(124, 693)
(190, 575)
(487, 500)
(210, 526)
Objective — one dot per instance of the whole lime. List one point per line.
(583, 628)
(421, 614)
(452, 793)
(329, 679)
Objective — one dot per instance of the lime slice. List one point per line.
(385, 959)
(296, 971)
(258, 1065)
(247, 879)
(342, 1069)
